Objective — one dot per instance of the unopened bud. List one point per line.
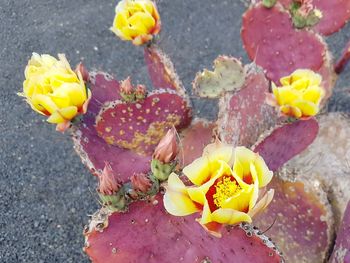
(127, 91)
(108, 185)
(126, 86)
(167, 149)
(140, 92)
(141, 182)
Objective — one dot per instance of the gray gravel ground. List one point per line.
(45, 192)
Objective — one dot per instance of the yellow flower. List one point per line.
(223, 195)
(300, 94)
(136, 20)
(53, 89)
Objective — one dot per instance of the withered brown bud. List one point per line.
(108, 184)
(141, 182)
(167, 149)
(83, 71)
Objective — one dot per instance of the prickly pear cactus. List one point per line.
(140, 126)
(286, 141)
(132, 140)
(228, 75)
(194, 139)
(327, 161)
(273, 43)
(113, 238)
(244, 115)
(306, 222)
(341, 252)
(125, 133)
(334, 14)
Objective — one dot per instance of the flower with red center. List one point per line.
(226, 183)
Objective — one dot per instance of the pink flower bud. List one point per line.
(166, 150)
(109, 184)
(83, 71)
(126, 86)
(140, 92)
(141, 182)
(305, 7)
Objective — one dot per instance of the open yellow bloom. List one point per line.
(53, 89)
(136, 20)
(223, 195)
(300, 94)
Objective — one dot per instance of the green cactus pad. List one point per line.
(228, 75)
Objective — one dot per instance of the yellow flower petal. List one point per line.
(230, 216)
(44, 102)
(219, 151)
(291, 111)
(179, 204)
(142, 20)
(243, 158)
(307, 108)
(198, 171)
(240, 201)
(136, 21)
(176, 200)
(206, 214)
(69, 112)
(313, 94)
(262, 204)
(255, 190)
(263, 173)
(300, 84)
(302, 88)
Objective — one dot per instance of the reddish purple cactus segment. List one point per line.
(343, 60)
(161, 70)
(244, 116)
(194, 139)
(104, 88)
(335, 13)
(147, 234)
(341, 252)
(139, 126)
(301, 224)
(271, 41)
(92, 149)
(286, 142)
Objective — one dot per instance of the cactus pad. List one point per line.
(92, 149)
(194, 139)
(243, 116)
(161, 70)
(271, 41)
(148, 234)
(301, 221)
(335, 14)
(341, 252)
(343, 60)
(140, 126)
(327, 159)
(228, 75)
(287, 141)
